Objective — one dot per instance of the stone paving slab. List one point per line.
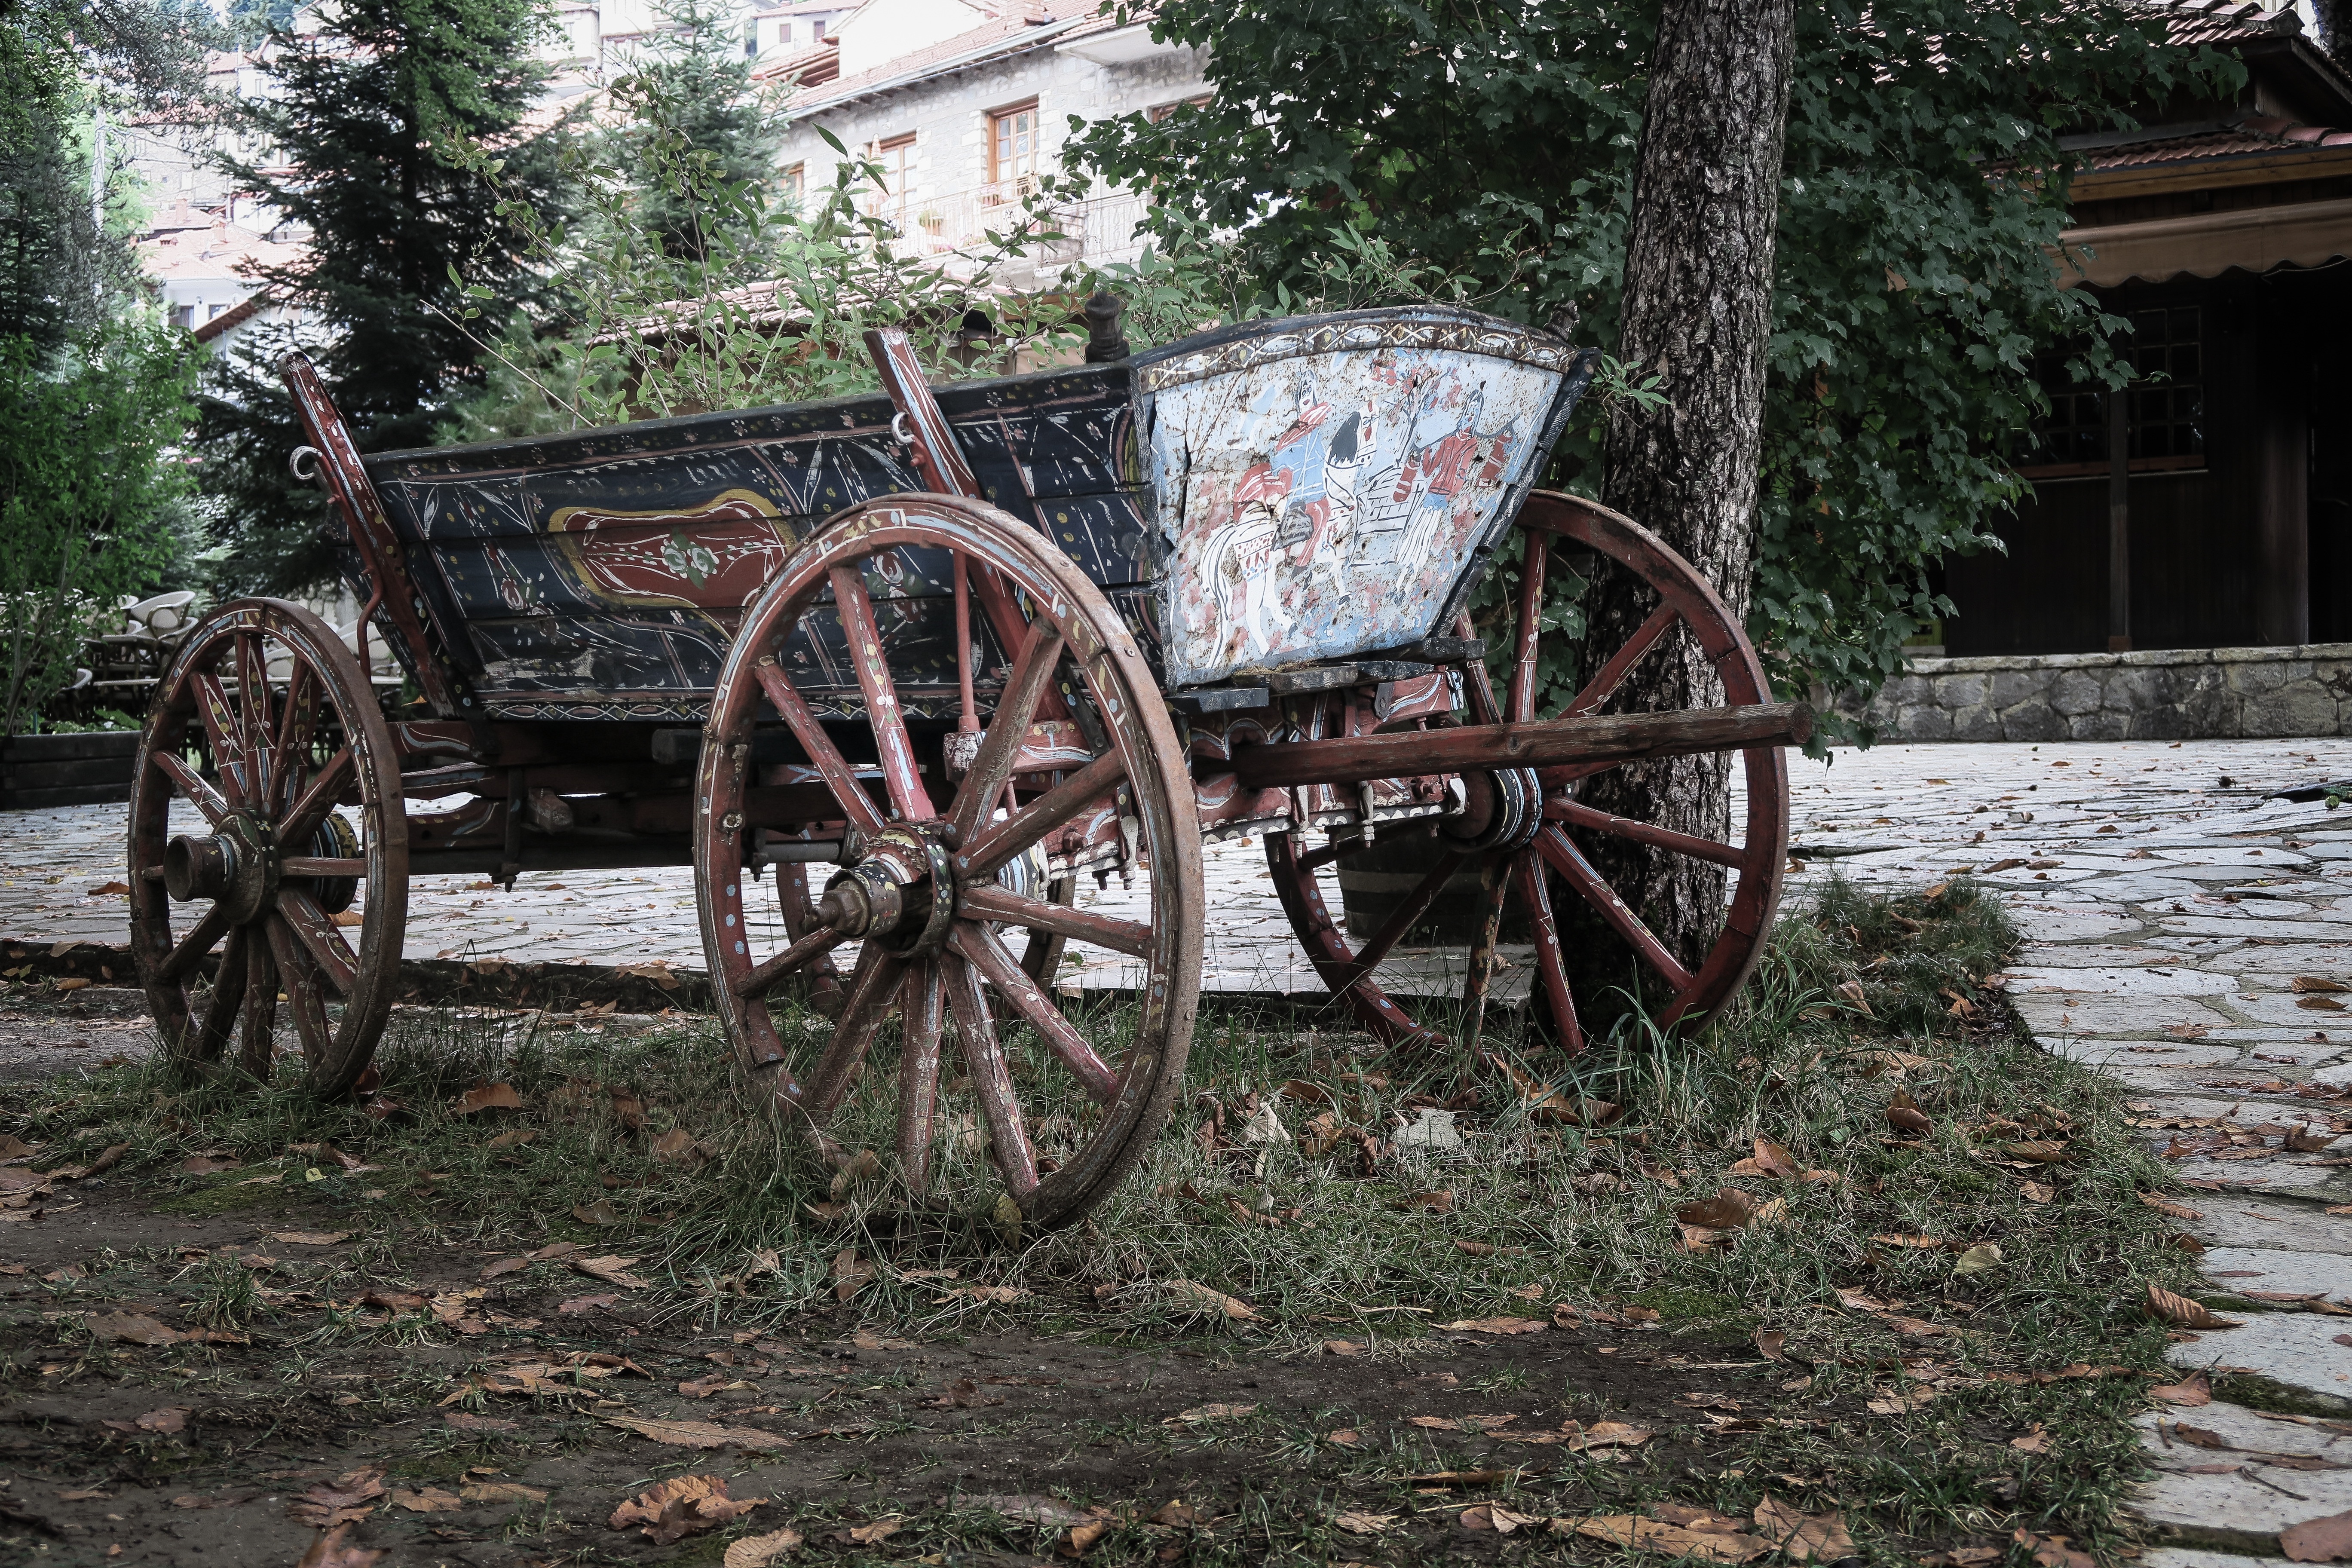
(2237, 1221)
(2223, 1494)
(2307, 1351)
(2200, 1557)
(2281, 1269)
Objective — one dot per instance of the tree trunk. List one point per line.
(1697, 311)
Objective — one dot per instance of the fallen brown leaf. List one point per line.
(682, 1506)
(309, 1237)
(132, 1328)
(868, 1534)
(611, 1270)
(851, 1273)
(1632, 1532)
(329, 1552)
(501, 1492)
(2196, 1389)
(2036, 1441)
(429, 1499)
(346, 1499)
(2302, 984)
(697, 1434)
(1439, 1202)
(1200, 1413)
(486, 1097)
(1502, 1520)
(580, 1306)
(2327, 1540)
(1493, 1326)
(759, 1550)
(2166, 1205)
(2182, 1312)
(1903, 1113)
(1233, 1308)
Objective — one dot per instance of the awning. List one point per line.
(2305, 234)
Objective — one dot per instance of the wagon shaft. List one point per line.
(1558, 743)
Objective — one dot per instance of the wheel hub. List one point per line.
(901, 892)
(235, 867)
(1502, 809)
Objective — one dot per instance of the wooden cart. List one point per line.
(929, 658)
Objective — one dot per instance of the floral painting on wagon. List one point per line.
(1331, 492)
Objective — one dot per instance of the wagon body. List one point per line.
(1250, 500)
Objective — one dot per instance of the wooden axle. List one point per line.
(1617, 737)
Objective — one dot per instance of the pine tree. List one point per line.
(381, 118)
(695, 113)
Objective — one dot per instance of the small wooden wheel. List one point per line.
(1526, 832)
(915, 878)
(293, 732)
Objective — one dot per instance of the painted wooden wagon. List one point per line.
(949, 650)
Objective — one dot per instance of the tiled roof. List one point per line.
(812, 67)
(2192, 22)
(1019, 29)
(219, 250)
(2246, 138)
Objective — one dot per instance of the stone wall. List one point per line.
(2166, 694)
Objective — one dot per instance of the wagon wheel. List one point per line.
(277, 861)
(918, 886)
(1524, 828)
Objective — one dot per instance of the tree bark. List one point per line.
(1697, 314)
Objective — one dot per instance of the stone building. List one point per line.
(963, 105)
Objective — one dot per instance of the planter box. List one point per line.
(38, 771)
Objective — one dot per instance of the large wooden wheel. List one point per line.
(1527, 835)
(292, 728)
(916, 880)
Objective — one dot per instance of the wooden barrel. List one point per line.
(1372, 884)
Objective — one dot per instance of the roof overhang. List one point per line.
(1119, 47)
(979, 55)
(2198, 174)
(2205, 244)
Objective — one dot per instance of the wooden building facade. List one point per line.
(2210, 505)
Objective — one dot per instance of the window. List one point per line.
(816, 31)
(1013, 144)
(1159, 112)
(783, 32)
(796, 183)
(2166, 404)
(183, 315)
(896, 157)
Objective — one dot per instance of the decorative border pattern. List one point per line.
(1495, 339)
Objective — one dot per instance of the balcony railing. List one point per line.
(1097, 230)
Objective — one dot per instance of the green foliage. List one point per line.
(767, 300)
(1922, 179)
(66, 262)
(691, 100)
(377, 116)
(87, 486)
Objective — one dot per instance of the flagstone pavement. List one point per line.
(2186, 931)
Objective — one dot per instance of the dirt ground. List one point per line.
(203, 1452)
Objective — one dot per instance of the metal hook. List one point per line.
(900, 431)
(295, 463)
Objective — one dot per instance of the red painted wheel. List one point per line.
(1528, 833)
(914, 870)
(294, 736)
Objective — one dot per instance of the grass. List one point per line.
(1861, 1003)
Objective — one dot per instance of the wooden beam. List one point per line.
(1619, 736)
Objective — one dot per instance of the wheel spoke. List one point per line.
(1520, 706)
(1336, 849)
(793, 902)
(260, 724)
(1643, 833)
(855, 803)
(221, 730)
(1551, 968)
(1033, 672)
(918, 1074)
(1486, 933)
(300, 975)
(899, 774)
(259, 1023)
(318, 798)
(979, 944)
(229, 979)
(986, 900)
(991, 1081)
(1003, 840)
(761, 978)
(190, 950)
(193, 785)
(1415, 905)
(319, 938)
(1602, 686)
(296, 721)
(1577, 873)
(871, 988)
